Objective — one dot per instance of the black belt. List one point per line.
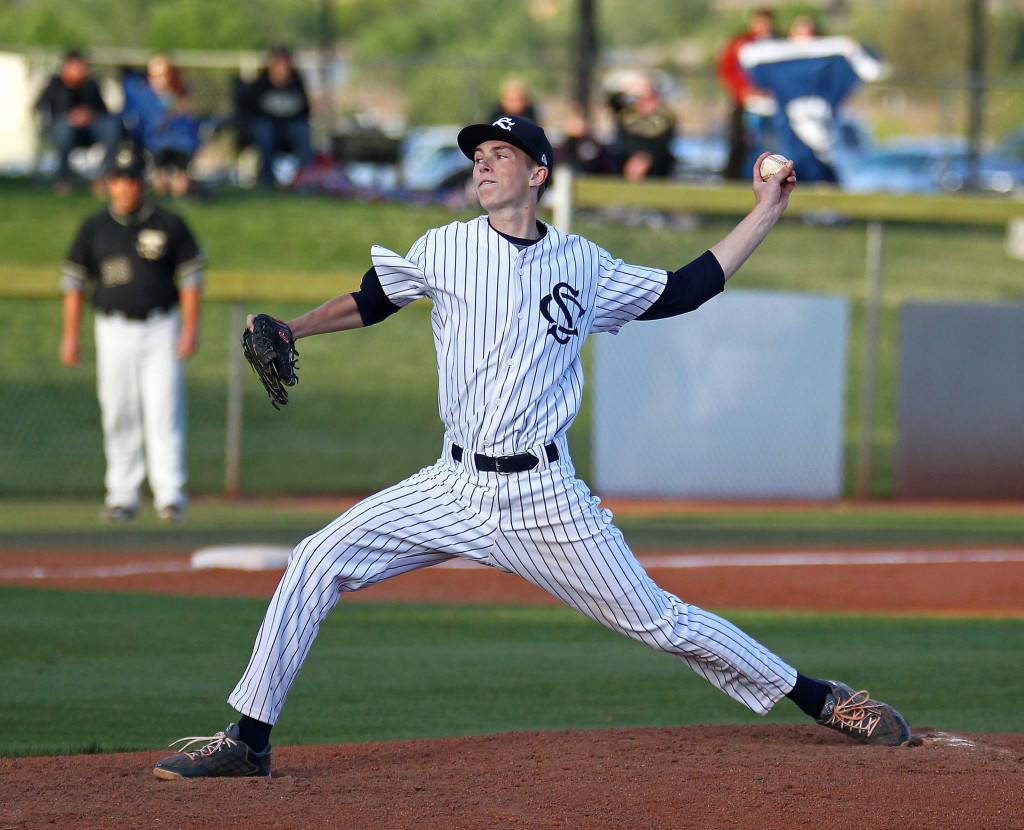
(135, 315)
(506, 464)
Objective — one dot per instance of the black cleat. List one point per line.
(223, 757)
(866, 720)
(117, 514)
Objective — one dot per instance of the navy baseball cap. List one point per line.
(128, 163)
(519, 132)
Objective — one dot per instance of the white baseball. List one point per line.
(772, 165)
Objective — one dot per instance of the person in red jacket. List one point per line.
(751, 106)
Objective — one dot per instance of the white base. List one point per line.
(242, 557)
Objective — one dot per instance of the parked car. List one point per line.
(430, 160)
(1011, 146)
(937, 165)
(699, 156)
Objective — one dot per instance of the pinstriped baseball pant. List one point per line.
(544, 526)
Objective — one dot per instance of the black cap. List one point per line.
(128, 163)
(519, 132)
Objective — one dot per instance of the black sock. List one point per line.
(254, 733)
(809, 694)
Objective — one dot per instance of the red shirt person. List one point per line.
(751, 105)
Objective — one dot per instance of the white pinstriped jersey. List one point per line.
(509, 325)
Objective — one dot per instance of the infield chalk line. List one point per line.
(673, 561)
(96, 572)
(763, 560)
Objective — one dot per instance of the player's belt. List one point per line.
(150, 314)
(506, 464)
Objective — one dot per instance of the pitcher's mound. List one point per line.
(760, 777)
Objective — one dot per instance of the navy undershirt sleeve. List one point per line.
(688, 288)
(373, 304)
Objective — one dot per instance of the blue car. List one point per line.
(932, 167)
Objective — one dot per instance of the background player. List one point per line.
(145, 271)
(514, 299)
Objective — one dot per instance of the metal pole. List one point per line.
(869, 379)
(586, 55)
(976, 90)
(325, 48)
(233, 438)
(561, 197)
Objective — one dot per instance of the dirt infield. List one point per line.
(867, 581)
(764, 777)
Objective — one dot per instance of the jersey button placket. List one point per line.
(506, 360)
(517, 309)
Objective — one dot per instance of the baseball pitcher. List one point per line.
(514, 300)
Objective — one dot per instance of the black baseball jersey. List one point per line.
(136, 263)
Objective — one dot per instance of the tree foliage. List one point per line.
(199, 24)
(912, 35)
(933, 36)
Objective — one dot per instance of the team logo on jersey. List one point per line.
(151, 243)
(115, 270)
(562, 310)
(504, 122)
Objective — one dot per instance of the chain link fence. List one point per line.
(355, 424)
(350, 95)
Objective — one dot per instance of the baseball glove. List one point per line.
(270, 350)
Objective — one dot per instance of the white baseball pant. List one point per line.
(542, 525)
(141, 388)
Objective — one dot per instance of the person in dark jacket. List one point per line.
(74, 115)
(279, 109)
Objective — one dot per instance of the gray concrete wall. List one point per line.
(960, 405)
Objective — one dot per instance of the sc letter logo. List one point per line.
(562, 310)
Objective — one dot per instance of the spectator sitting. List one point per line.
(75, 115)
(158, 112)
(279, 108)
(646, 128)
(581, 150)
(514, 99)
(803, 28)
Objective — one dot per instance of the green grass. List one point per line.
(107, 672)
(348, 429)
(827, 528)
(72, 524)
(242, 230)
(365, 411)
